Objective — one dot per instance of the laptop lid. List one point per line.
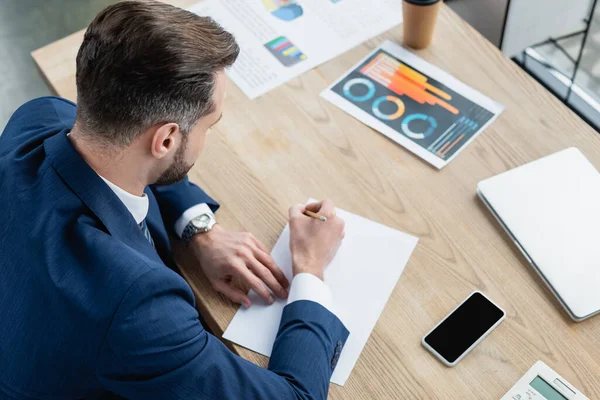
(551, 207)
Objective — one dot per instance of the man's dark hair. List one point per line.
(145, 63)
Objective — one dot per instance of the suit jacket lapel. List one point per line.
(96, 195)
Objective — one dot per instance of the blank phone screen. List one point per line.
(464, 327)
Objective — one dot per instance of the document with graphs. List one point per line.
(417, 105)
(281, 39)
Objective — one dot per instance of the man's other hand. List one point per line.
(225, 255)
(314, 243)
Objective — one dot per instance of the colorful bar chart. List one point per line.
(285, 51)
(403, 80)
(413, 103)
(459, 131)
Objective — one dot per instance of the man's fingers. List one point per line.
(327, 209)
(314, 207)
(296, 211)
(265, 268)
(266, 260)
(267, 278)
(233, 293)
(324, 207)
(256, 284)
(260, 245)
(262, 255)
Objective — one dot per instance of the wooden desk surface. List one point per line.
(290, 144)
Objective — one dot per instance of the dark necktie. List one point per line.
(146, 232)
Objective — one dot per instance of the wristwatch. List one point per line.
(201, 224)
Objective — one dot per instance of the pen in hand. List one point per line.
(315, 215)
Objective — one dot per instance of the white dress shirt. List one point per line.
(304, 286)
(137, 205)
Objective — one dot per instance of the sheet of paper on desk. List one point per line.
(414, 103)
(361, 278)
(281, 39)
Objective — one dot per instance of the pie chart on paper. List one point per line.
(285, 10)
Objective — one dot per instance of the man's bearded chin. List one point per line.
(178, 170)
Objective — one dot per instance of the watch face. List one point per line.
(202, 221)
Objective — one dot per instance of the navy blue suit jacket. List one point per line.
(88, 308)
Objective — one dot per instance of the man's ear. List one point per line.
(165, 139)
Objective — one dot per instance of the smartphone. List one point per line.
(463, 328)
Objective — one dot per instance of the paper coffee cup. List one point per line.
(419, 17)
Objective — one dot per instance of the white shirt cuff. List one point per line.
(306, 286)
(189, 215)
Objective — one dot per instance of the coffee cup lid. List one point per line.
(422, 2)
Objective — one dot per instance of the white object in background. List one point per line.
(551, 209)
(529, 22)
(542, 383)
(281, 40)
(361, 278)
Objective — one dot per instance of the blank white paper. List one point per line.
(361, 278)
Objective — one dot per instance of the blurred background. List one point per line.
(556, 41)
(26, 25)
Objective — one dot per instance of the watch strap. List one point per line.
(191, 229)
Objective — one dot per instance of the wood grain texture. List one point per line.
(290, 144)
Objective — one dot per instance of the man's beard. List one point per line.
(178, 170)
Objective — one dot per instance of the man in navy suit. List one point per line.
(89, 307)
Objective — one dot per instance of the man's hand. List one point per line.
(225, 255)
(313, 243)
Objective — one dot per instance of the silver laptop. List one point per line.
(551, 209)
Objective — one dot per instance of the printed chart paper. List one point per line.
(361, 278)
(281, 39)
(414, 103)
